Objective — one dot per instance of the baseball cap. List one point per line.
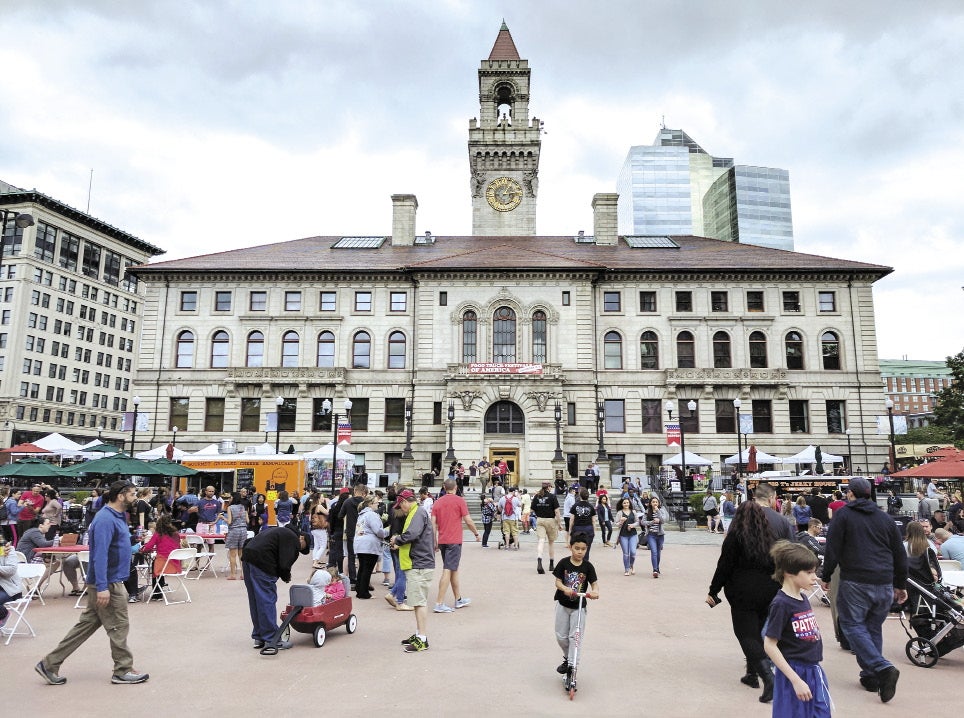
(404, 495)
(860, 487)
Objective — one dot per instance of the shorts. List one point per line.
(451, 555)
(547, 529)
(712, 512)
(418, 581)
(510, 527)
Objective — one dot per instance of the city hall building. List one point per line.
(545, 351)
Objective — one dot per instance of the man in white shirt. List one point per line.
(425, 500)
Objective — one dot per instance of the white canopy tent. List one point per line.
(807, 456)
(762, 457)
(324, 453)
(160, 452)
(210, 449)
(691, 460)
(57, 443)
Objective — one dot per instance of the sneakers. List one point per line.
(415, 645)
(888, 683)
(133, 599)
(463, 602)
(404, 607)
(130, 677)
(258, 645)
(870, 683)
(539, 568)
(563, 668)
(406, 641)
(391, 600)
(442, 608)
(48, 675)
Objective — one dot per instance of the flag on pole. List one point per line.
(344, 432)
(672, 434)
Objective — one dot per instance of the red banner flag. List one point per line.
(672, 435)
(344, 432)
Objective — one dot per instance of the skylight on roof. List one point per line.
(643, 242)
(359, 243)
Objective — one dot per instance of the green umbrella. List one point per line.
(120, 464)
(100, 449)
(172, 468)
(31, 468)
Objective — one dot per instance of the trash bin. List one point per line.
(383, 481)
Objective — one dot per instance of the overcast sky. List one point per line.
(217, 125)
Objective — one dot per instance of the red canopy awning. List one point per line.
(943, 469)
(24, 449)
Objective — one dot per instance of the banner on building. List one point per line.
(344, 432)
(272, 421)
(143, 421)
(883, 425)
(746, 423)
(504, 368)
(672, 434)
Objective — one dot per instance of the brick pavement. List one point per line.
(651, 646)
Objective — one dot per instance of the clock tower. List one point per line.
(504, 146)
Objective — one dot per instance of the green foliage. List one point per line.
(949, 412)
(931, 434)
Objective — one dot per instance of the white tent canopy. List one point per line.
(691, 460)
(324, 453)
(160, 452)
(807, 457)
(762, 457)
(206, 451)
(56, 442)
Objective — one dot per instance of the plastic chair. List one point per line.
(21, 557)
(83, 557)
(29, 575)
(186, 557)
(204, 560)
(949, 564)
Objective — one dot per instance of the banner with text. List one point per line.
(344, 432)
(672, 435)
(504, 368)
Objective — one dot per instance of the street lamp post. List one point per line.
(137, 402)
(893, 447)
(850, 461)
(450, 453)
(739, 443)
(601, 455)
(7, 426)
(174, 436)
(327, 408)
(279, 402)
(407, 452)
(558, 417)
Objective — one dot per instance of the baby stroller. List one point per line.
(933, 621)
(301, 615)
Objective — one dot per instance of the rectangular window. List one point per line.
(443, 299)
(684, 301)
(836, 417)
(112, 269)
(394, 414)
(363, 301)
(617, 464)
(320, 420)
(327, 301)
(437, 413)
(612, 302)
(359, 414)
(45, 245)
(250, 414)
(725, 417)
(827, 301)
(258, 301)
(799, 417)
(214, 414)
(91, 266)
(179, 410)
(222, 302)
(566, 298)
(12, 241)
(652, 409)
(791, 301)
(292, 301)
(615, 413)
(69, 251)
(689, 421)
(287, 415)
(398, 301)
(720, 301)
(647, 301)
(570, 413)
(188, 302)
(762, 416)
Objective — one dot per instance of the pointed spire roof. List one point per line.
(504, 47)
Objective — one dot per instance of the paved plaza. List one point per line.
(651, 646)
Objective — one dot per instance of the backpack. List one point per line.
(508, 511)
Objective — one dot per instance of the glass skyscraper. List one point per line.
(674, 186)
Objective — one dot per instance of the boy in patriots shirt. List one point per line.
(791, 637)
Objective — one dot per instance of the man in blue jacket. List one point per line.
(865, 543)
(110, 565)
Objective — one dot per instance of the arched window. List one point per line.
(255, 350)
(612, 351)
(185, 350)
(830, 349)
(539, 340)
(220, 349)
(396, 350)
(361, 351)
(685, 350)
(794, 345)
(326, 349)
(503, 335)
(470, 337)
(721, 351)
(290, 349)
(504, 417)
(758, 350)
(648, 351)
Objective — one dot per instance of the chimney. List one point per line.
(604, 217)
(403, 219)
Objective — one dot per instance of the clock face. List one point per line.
(503, 194)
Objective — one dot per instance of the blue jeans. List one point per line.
(861, 611)
(398, 588)
(628, 544)
(655, 549)
(262, 598)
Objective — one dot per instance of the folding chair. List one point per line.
(186, 558)
(204, 559)
(84, 558)
(29, 575)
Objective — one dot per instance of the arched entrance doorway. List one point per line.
(504, 430)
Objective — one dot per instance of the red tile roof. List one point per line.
(504, 47)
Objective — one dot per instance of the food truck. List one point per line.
(786, 483)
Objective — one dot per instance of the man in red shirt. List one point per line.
(31, 504)
(448, 513)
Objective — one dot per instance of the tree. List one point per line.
(930, 434)
(949, 412)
